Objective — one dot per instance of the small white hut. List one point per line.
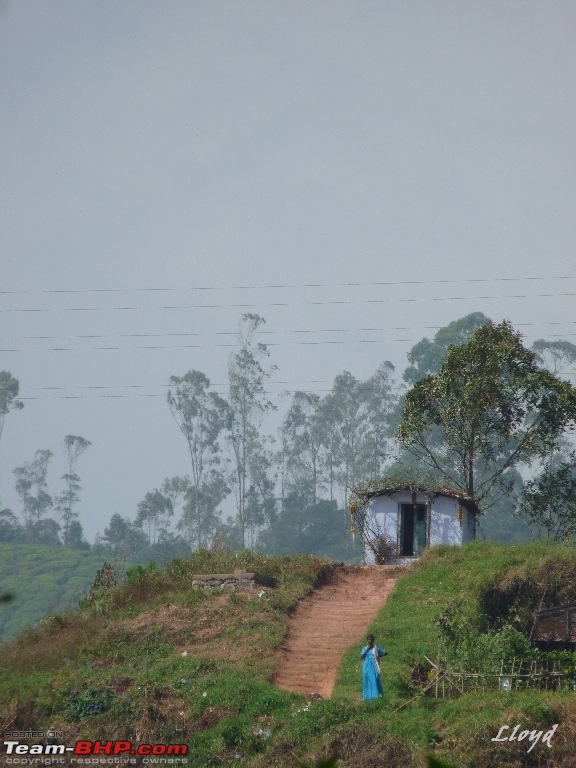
(408, 519)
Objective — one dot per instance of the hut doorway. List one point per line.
(412, 529)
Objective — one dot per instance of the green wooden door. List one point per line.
(412, 529)
(419, 529)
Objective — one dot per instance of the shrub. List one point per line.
(80, 704)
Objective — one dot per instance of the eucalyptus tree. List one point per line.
(176, 488)
(548, 501)
(206, 500)
(380, 400)
(489, 408)
(303, 438)
(251, 456)
(31, 486)
(9, 387)
(202, 416)
(557, 356)
(357, 430)
(346, 418)
(426, 356)
(154, 512)
(74, 446)
(122, 538)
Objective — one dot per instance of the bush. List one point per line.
(80, 704)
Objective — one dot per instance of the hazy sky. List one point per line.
(333, 166)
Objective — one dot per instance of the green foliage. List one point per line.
(548, 502)
(426, 356)
(490, 407)
(31, 485)
(9, 387)
(90, 701)
(74, 446)
(235, 733)
(501, 522)
(331, 762)
(468, 646)
(321, 529)
(202, 416)
(123, 646)
(251, 458)
(153, 513)
(356, 423)
(122, 538)
(434, 762)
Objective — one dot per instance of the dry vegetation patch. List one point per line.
(367, 746)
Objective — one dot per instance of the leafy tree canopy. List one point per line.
(9, 387)
(490, 407)
(426, 356)
(548, 502)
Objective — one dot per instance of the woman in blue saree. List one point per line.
(371, 682)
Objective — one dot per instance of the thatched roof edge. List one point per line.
(465, 500)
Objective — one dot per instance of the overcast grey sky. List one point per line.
(219, 150)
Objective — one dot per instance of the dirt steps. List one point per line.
(327, 623)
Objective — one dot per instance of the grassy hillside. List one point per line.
(154, 661)
(492, 587)
(42, 580)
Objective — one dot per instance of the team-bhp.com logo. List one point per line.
(83, 752)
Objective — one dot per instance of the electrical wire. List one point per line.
(327, 302)
(156, 347)
(260, 332)
(290, 286)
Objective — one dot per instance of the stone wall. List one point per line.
(232, 582)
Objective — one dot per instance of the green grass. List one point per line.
(460, 730)
(154, 661)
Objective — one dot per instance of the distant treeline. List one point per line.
(290, 491)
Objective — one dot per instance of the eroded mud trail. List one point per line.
(327, 623)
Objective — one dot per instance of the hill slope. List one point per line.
(327, 623)
(42, 580)
(155, 662)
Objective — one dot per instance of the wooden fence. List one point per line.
(439, 680)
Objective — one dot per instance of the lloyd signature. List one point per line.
(533, 736)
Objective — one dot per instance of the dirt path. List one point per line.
(327, 623)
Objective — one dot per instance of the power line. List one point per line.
(156, 347)
(327, 302)
(144, 386)
(260, 332)
(121, 397)
(215, 386)
(201, 346)
(220, 333)
(170, 289)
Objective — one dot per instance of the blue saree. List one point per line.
(371, 682)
